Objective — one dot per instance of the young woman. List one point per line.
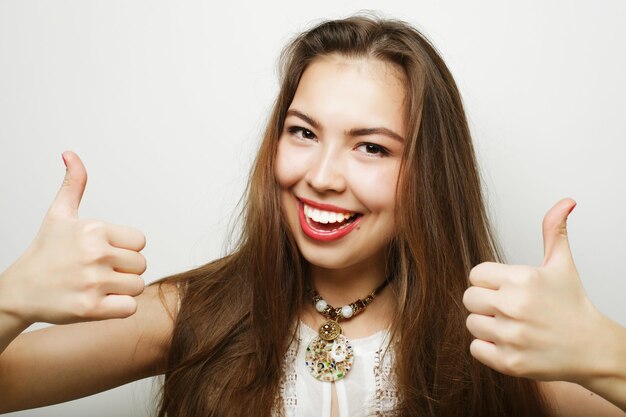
(364, 244)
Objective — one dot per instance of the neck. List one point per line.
(343, 286)
(339, 287)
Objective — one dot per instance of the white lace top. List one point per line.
(367, 390)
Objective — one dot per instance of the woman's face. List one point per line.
(338, 160)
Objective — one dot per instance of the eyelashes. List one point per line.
(296, 129)
(368, 148)
(374, 149)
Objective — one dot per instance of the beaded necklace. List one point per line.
(329, 356)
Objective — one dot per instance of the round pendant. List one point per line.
(329, 330)
(329, 360)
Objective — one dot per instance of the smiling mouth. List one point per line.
(327, 221)
(326, 225)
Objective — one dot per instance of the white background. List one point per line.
(165, 103)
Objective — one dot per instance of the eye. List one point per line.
(373, 149)
(306, 133)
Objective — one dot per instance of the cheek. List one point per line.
(376, 189)
(286, 169)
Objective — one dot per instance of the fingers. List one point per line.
(488, 275)
(524, 318)
(485, 352)
(481, 301)
(482, 327)
(555, 241)
(502, 359)
(110, 295)
(116, 306)
(79, 270)
(68, 197)
(124, 260)
(125, 237)
(124, 284)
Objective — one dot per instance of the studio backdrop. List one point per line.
(165, 102)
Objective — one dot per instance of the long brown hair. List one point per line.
(237, 313)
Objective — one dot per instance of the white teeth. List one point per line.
(323, 216)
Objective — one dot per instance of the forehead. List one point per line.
(342, 91)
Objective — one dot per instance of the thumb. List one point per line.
(556, 247)
(68, 198)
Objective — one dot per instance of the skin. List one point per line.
(359, 173)
(537, 322)
(114, 332)
(318, 161)
(82, 275)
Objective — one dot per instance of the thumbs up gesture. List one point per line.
(535, 322)
(75, 270)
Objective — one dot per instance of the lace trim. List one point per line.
(287, 400)
(386, 396)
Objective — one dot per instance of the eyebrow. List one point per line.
(353, 132)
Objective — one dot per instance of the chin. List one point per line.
(332, 258)
(326, 263)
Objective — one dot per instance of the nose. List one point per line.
(326, 171)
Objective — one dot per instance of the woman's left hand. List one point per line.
(536, 322)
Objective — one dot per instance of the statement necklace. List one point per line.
(329, 356)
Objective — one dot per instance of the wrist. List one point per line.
(607, 371)
(9, 314)
(612, 362)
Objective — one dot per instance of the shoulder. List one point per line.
(169, 294)
(572, 400)
(150, 329)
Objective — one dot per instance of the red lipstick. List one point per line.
(328, 207)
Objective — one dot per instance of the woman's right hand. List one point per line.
(75, 270)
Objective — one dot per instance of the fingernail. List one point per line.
(570, 210)
(64, 162)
